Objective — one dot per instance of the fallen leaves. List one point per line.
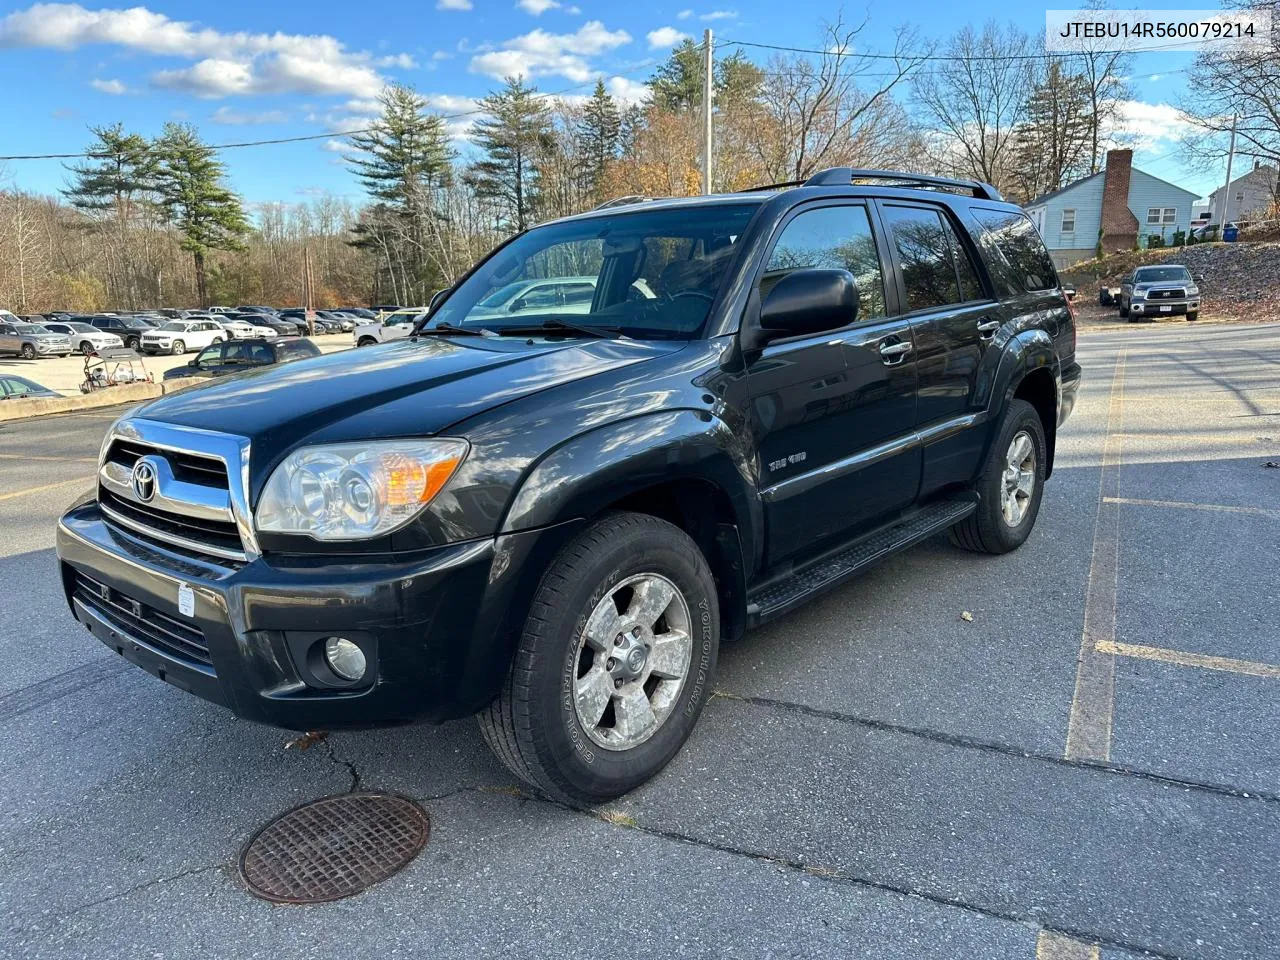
(966, 616)
(307, 740)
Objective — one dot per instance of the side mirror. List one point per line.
(194, 363)
(517, 305)
(808, 301)
(438, 296)
(1197, 278)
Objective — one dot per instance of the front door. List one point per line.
(10, 342)
(954, 319)
(833, 413)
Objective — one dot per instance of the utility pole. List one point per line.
(1226, 190)
(707, 64)
(308, 292)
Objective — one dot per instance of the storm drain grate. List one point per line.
(333, 848)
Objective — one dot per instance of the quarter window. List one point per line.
(831, 238)
(1068, 221)
(1014, 252)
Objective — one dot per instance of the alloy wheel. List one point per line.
(1018, 480)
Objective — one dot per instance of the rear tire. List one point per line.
(1009, 486)
(585, 715)
(366, 342)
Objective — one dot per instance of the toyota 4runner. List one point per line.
(553, 519)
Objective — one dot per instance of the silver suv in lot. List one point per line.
(30, 340)
(1167, 289)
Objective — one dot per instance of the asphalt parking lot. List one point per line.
(1086, 769)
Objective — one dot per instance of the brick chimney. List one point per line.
(1119, 225)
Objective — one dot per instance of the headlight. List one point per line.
(354, 491)
(1140, 290)
(1193, 291)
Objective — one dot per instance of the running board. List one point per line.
(780, 596)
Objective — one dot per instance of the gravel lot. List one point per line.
(65, 374)
(878, 778)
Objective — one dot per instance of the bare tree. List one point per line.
(977, 99)
(837, 108)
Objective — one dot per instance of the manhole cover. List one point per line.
(333, 848)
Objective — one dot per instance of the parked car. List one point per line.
(1159, 290)
(561, 294)
(250, 308)
(84, 337)
(128, 329)
(242, 328)
(554, 521)
(19, 388)
(322, 323)
(31, 340)
(362, 312)
(346, 322)
(392, 326)
(179, 336)
(237, 356)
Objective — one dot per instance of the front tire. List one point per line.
(178, 347)
(614, 664)
(86, 348)
(28, 352)
(1009, 486)
(1193, 314)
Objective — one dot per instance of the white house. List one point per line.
(1117, 206)
(1251, 195)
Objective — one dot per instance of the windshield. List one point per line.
(1161, 274)
(31, 328)
(651, 274)
(175, 326)
(82, 327)
(135, 322)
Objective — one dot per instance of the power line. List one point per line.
(945, 57)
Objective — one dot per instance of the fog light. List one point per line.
(344, 658)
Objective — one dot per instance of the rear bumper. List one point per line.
(437, 631)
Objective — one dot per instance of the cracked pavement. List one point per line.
(876, 778)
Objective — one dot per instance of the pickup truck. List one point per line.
(1166, 289)
(553, 520)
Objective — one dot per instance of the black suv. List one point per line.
(552, 519)
(128, 329)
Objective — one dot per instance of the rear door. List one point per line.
(954, 319)
(833, 413)
(10, 342)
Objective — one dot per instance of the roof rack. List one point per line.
(623, 201)
(845, 176)
(773, 186)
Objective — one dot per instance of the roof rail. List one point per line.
(623, 201)
(773, 186)
(844, 176)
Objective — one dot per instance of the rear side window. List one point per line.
(1014, 251)
(936, 271)
(831, 238)
(292, 351)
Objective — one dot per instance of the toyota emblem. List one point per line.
(143, 479)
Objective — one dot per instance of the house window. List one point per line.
(1153, 215)
(1170, 215)
(1068, 221)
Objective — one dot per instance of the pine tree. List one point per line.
(1053, 141)
(515, 131)
(189, 182)
(121, 169)
(677, 83)
(404, 159)
(599, 133)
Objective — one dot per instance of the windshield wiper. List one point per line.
(608, 333)
(448, 329)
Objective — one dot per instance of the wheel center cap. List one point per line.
(636, 659)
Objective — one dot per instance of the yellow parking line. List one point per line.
(1183, 505)
(1057, 946)
(1089, 728)
(1184, 658)
(48, 486)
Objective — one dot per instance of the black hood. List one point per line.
(412, 387)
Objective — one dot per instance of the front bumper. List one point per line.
(437, 631)
(155, 346)
(1164, 307)
(54, 348)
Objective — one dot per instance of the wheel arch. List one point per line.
(1030, 371)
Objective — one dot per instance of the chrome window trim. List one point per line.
(232, 450)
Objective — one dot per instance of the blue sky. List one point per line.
(254, 70)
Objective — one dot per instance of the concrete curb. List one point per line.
(110, 397)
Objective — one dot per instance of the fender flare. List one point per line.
(1024, 353)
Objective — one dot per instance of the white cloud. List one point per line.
(113, 87)
(627, 92)
(573, 11)
(449, 103)
(453, 4)
(442, 55)
(1149, 124)
(231, 117)
(223, 63)
(719, 15)
(364, 106)
(404, 61)
(539, 53)
(537, 7)
(684, 14)
(664, 37)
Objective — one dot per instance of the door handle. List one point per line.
(989, 326)
(895, 352)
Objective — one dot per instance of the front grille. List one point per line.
(165, 525)
(143, 622)
(1166, 294)
(190, 467)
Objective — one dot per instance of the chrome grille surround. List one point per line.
(198, 501)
